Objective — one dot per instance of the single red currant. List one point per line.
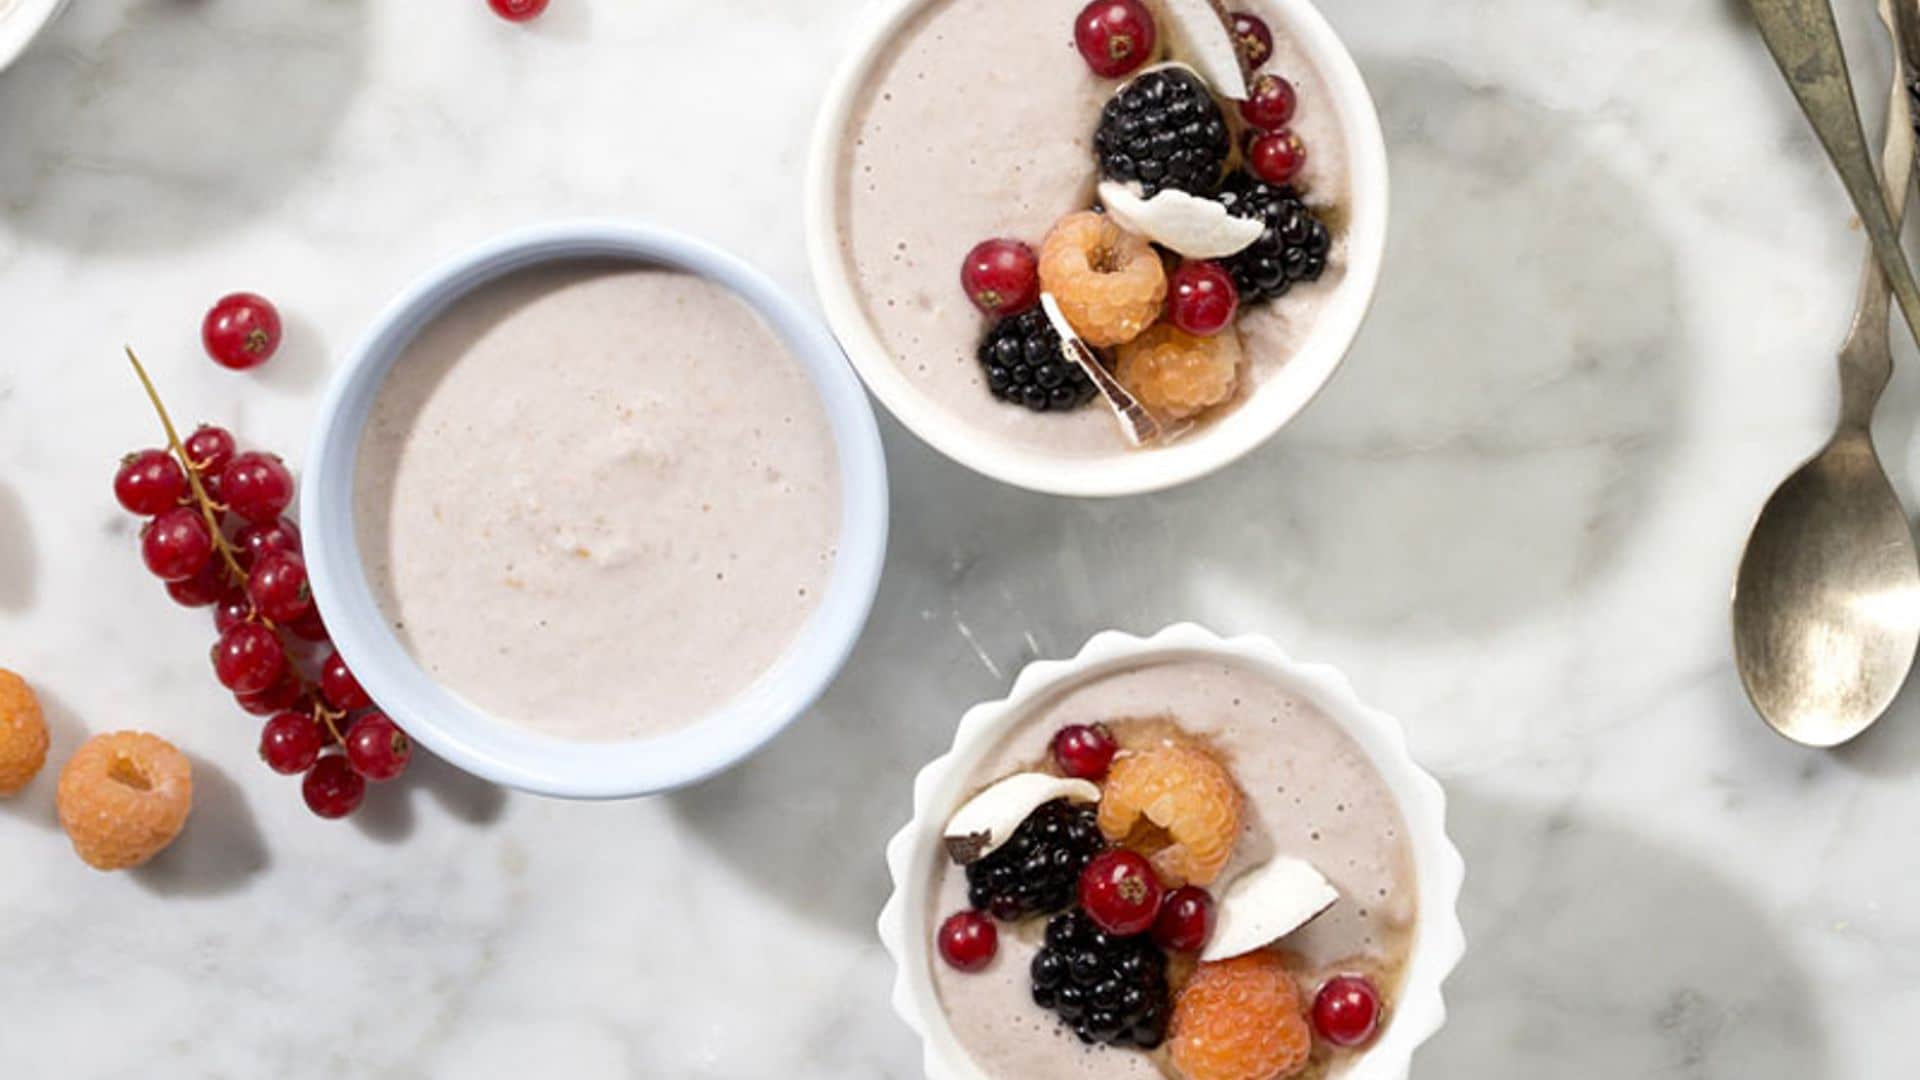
(176, 545)
(1120, 892)
(210, 448)
(518, 10)
(1115, 36)
(1346, 1011)
(338, 686)
(257, 539)
(1255, 38)
(232, 609)
(149, 482)
(280, 697)
(290, 743)
(377, 748)
(1201, 298)
(1084, 751)
(249, 658)
(278, 587)
(1186, 920)
(309, 627)
(241, 331)
(968, 940)
(332, 789)
(256, 486)
(203, 589)
(1002, 277)
(1270, 103)
(1277, 157)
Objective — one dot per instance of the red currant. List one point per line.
(518, 10)
(1255, 38)
(242, 331)
(1346, 1011)
(1120, 892)
(1002, 277)
(149, 482)
(1084, 751)
(203, 589)
(256, 486)
(249, 658)
(332, 789)
(290, 743)
(257, 539)
(278, 586)
(1186, 920)
(1277, 157)
(309, 627)
(176, 545)
(210, 448)
(1270, 103)
(279, 697)
(232, 609)
(338, 686)
(1201, 298)
(968, 940)
(1115, 36)
(377, 748)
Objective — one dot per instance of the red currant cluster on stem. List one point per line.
(217, 535)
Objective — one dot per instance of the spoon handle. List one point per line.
(1806, 45)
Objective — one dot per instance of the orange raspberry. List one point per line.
(1182, 789)
(1240, 1019)
(1177, 374)
(123, 798)
(1110, 284)
(23, 734)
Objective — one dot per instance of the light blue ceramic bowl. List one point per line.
(494, 749)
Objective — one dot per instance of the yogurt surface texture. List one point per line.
(597, 499)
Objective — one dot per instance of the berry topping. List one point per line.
(518, 10)
(176, 545)
(242, 331)
(1002, 277)
(338, 686)
(1025, 365)
(1164, 130)
(290, 743)
(1276, 157)
(210, 448)
(1254, 37)
(1178, 374)
(123, 798)
(257, 486)
(1038, 869)
(1240, 1018)
(23, 734)
(1184, 791)
(1110, 283)
(332, 789)
(1294, 247)
(1112, 990)
(1120, 892)
(1270, 103)
(968, 940)
(1186, 920)
(278, 587)
(249, 659)
(1084, 751)
(149, 482)
(1115, 36)
(377, 748)
(1201, 298)
(1346, 1011)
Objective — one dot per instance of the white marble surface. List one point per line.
(1617, 274)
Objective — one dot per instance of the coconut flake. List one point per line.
(988, 819)
(1196, 227)
(1266, 904)
(1200, 32)
(1138, 422)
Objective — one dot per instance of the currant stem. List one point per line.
(193, 474)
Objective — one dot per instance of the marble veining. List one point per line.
(1618, 272)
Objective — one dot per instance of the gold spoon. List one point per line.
(1826, 608)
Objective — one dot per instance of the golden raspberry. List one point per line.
(123, 798)
(1110, 284)
(23, 734)
(1177, 374)
(1240, 1019)
(1188, 799)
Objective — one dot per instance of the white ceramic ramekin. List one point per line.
(21, 23)
(942, 786)
(1278, 398)
(502, 752)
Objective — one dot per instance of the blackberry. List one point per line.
(1037, 871)
(1294, 247)
(1164, 130)
(1112, 990)
(1025, 365)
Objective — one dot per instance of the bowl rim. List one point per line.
(498, 750)
(1439, 941)
(1241, 431)
(21, 26)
